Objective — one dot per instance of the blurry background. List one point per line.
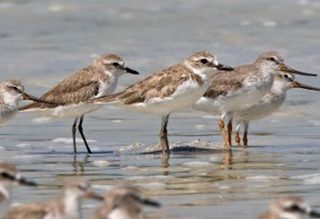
(43, 41)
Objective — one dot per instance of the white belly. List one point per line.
(185, 96)
(72, 110)
(267, 106)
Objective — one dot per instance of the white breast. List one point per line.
(268, 105)
(121, 214)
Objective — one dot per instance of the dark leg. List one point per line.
(164, 143)
(82, 135)
(237, 135)
(74, 128)
(223, 133)
(229, 128)
(245, 134)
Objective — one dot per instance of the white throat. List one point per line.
(72, 204)
(203, 73)
(11, 99)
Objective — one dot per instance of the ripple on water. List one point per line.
(309, 179)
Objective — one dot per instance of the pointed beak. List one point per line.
(296, 84)
(25, 182)
(151, 203)
(131, 71)
(285, 68)
(147, 202)
(222, 67)
(19, 179)
(314, 214)
(93, 195)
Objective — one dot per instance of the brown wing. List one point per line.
(159, 85)
(225, 82)
(33, 211)
(79, 87)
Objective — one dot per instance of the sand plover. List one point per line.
(11, 92)
(9, 176)
(97, 79)
(170, 90)
(68, 205)
(291, 207)
(239, 89)
(123, 203)
(267, 105)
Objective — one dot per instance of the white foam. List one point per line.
(70, 141)
(100, 163)
(261, 178)
(197, 164)
(309, 179)
(23, 145)
(153, 185)
(42, 120)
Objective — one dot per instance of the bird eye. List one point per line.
(272, 59)
(15, 88)
(204, 61)
(286, 76)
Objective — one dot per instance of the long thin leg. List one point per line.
(245, 133)
(229, 128)
(164, 143)
(237, 134)
(223, 131)
(74, 129)
(82, 135)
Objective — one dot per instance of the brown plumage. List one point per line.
(289, 207)
(76, 88)
(97, 79)
(68, 205)
(169, 90)
(30, 211)
(161, 84)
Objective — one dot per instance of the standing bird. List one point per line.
(172, 89)
(67, 206)
(291, 207)
(98, 79)
(267, 105)
(9, 176)
(123, 203)
(239, 89)
(11, 92)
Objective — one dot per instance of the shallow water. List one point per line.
(42, 41)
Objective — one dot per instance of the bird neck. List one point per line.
(72, 204)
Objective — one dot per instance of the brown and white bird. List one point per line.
(291, 207)
(11, 93)
(269, 103)
(67, 206)
(124, 203)
(241, 88)
(170, 90)
(9, 176)
(97, 79)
